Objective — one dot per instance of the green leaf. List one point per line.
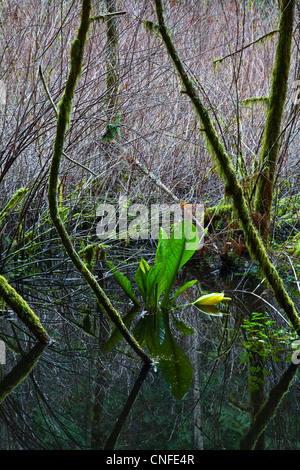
(123, 282)
(175, 366)
(163, 241)
(151, 338)
(183, 288)
(183, 326)
(156, 284)
(140, 278)
(176, 254)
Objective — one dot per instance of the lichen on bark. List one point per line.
(275, 111)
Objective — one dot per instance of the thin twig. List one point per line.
(56, 113)
(107, 16)
(245, 47)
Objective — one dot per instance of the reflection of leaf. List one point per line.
(116, 335)
(175, 365)
(139, 331)
(183, 326)
(151, 338)
(123, 282)
(210, 310)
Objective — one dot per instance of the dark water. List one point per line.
(73, 395)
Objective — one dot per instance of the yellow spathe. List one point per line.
(211, 299)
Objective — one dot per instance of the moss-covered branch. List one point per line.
(63, 119)
(268, 410)
(232, 186)
(113, 438)
(16, 199)
(20, 371)
(261, 38)
(277, 98)
(23, 311)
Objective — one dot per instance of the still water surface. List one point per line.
(74, 395)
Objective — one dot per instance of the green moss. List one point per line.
(88, 254)
(23, 311)
(268, 409)
(20, 371)
(255, 100)
(277, 98)
(112, 132)
(16, 199)
(151, 27)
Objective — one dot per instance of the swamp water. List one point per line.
(74, 395)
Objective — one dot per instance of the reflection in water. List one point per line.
(75, 394)
(20, 371)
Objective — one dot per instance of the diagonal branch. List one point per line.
(63, 119)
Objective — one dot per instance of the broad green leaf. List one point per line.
(173, 258)
(151, 338)
(190, 235)
(156, 284)
(176, 255)
(123, 282)
(175, 366)
(183, 288)
(183, 326)
(140, 278)
(163, 242)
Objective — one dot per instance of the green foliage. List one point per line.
(112, 131)
(154, 285)
(171, 254)
(263, 337)
(255, 100)
(16, 199)
(88, 254)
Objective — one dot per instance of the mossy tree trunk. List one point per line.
(272, 130)
(112, 72)
(256, 391)
(268, 409)
(63, 120)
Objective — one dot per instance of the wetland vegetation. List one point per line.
(187, 340)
